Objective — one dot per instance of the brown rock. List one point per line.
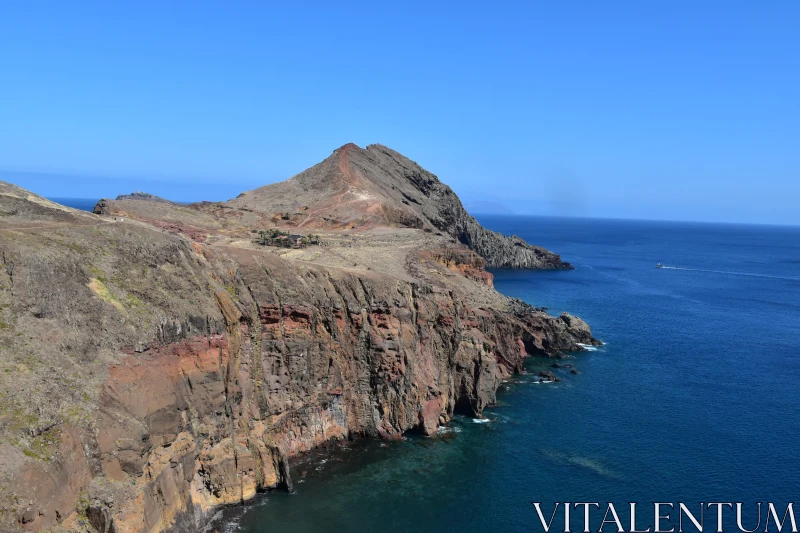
(430, 415)
(28, 516)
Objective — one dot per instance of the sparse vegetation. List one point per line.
(83, 504)
(282, 239)
(100, 289)
(42, 446)
(97, 273)
(231, 289)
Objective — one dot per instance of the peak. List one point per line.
(347, 147)
(375, 147)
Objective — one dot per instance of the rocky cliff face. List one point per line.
(296, 369)
(152, 373)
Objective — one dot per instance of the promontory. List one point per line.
(160, 360)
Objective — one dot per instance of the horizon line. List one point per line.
(510, 215)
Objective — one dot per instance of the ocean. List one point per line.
(84, 204)
(692, 398)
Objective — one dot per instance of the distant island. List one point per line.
(138, 195)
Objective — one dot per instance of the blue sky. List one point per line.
(667, 110)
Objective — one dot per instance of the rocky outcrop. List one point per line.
(501, 251)
(578, 329)
(101, 207)
(466, 262)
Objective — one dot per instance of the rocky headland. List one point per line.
(158, 362)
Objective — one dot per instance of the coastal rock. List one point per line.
(579, 329)
(547, 374)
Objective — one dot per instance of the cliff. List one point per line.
(158, 367)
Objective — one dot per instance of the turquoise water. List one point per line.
(694, 396)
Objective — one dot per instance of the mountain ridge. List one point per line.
(357, 188)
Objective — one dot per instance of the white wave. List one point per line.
(481, 420)
(441, 430)
(588, 347)
(232, 526)
(544, 381)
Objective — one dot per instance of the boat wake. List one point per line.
(750, 274)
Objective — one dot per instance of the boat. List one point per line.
(659, 265)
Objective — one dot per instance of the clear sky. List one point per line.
(685, 110)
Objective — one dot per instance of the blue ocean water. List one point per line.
(692, 398)
(84, 204)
